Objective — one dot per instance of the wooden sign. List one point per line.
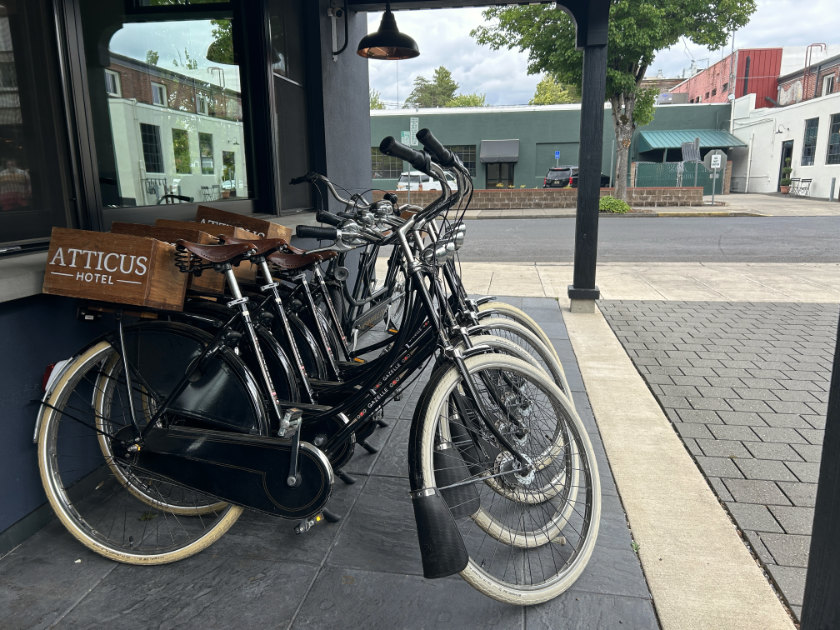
(257, 227)
(120, 268)
(207, 282)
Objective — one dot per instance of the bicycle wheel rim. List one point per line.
(95, 504)
(519, 552)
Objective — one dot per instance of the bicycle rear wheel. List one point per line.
(521, 550)
(112, 507)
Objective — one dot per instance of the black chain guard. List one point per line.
(246, 470)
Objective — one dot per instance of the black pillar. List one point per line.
(589, 179)
(592, 18)
(821, 607)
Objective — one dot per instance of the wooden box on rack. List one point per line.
(259, 228)
(120, 268)
(207, 282)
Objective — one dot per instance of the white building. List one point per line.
(807, 132)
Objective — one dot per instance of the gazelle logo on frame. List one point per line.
(98, 267)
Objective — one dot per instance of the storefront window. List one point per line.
(33, 191)
(179, 108)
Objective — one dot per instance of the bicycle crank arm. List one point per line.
(247, 470)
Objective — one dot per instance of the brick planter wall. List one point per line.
(537, 198)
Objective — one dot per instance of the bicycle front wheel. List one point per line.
(521, 550)
(112, 508)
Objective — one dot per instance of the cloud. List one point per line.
(444, 40)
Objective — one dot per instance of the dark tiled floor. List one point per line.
(746, 387)
(362, 572)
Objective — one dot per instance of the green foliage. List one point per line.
(152, 57)
(637, 30)
(436, 92)
(611, 204)
(644, 110)
(786, 171)
(221, 50)
(468, 100)
(375, 100)
(187, 61)
(551, 92)
(181, 148)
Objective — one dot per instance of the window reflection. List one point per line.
(15, 183)
(174, 117)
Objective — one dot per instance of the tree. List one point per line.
(436, 92)
(152, 57)
(637, 30)
(551, 92)
(468, 100)
(375, 100)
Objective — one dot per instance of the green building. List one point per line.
(515, 146)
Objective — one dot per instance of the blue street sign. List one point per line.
(557, 155)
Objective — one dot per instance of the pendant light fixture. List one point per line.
(388, 42)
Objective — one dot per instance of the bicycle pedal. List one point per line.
(393, 331)
(370, 449)
(331, 517)
(345, 477)
(382, 423)
(308, 523)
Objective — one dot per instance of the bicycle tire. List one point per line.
(516, 564)
(503, 309)
(544, 356)
(106, 512)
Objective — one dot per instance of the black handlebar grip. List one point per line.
(299, 180)
(391, 198)
(420, 161)
(328, 217)
(440, 153)
(321, 233)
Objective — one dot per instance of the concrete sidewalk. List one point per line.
(741, 388)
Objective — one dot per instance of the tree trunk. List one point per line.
(622, 113)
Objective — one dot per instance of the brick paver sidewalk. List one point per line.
(746, 387)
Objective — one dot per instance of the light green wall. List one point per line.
(541, 132)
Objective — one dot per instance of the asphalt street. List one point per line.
(659, 239)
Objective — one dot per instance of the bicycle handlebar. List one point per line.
(419, 160)
(320, 233)
(328, 217)
(439, 153)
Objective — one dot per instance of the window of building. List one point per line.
(725, 87)
(202, 105)
(809, 142)
(159, 94)
(833, 154)
(205, 152)
(500, 174)
(384, 166)
(699, 99)
(34, 188)
(112, 83)
(152, 153)
(181, 151)
(714, 92)
(828, 84)
(467, 154)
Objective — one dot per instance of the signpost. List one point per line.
(714, 161)
(557, 158)
(413, 127)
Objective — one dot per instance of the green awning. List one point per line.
(709, 139)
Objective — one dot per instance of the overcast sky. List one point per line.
(444, 40)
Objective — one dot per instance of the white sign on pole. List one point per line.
(716, 159)
(405, 138)
(413, 127)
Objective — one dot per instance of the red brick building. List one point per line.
(819, 79)
(756, 72)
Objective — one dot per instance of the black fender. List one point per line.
(307, 345)
(223, 394)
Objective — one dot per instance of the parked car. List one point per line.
(559, 176)
(562, 176)
(421, 181)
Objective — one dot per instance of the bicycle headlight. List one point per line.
(460, 233)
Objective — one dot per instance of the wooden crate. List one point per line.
(207, 282)
(120, 268)
(257, 227)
